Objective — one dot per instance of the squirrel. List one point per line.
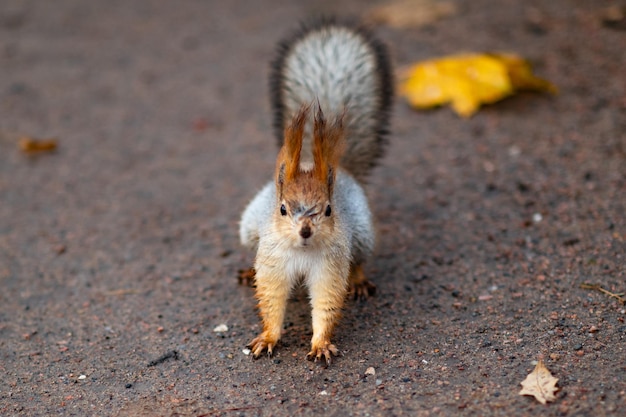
(331, 92)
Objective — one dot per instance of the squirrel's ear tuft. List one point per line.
(280, 176)
(288, 163)
(328, 146)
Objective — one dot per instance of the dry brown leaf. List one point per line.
(411, 13)
(540, 384)
(31, 145)
(614, 17)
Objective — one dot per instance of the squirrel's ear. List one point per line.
(288, 162)
(328, 146)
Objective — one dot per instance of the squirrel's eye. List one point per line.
(283, 210)
(328, 211)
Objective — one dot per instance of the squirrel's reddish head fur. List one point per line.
(328, 146)
(304, 191)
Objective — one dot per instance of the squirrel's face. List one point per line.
(304, 214)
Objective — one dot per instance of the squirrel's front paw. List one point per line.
(261, 343)
(324, 349)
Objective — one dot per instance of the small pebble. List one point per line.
(81, 377)
(221, 328)
(370, 371)
(246, 351)
(514, 151)
(323, 393)
(537, 217)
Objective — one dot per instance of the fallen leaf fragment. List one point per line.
(31, 145)
(411, 13)
(540, 384)
(469, 80)
(614, 17)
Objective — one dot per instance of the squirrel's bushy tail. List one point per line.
(342, 68)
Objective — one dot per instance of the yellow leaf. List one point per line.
(540, 384)
(521, 74)
(468, 80)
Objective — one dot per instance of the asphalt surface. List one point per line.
(119, 251)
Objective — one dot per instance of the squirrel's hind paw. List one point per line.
(359, 287)
(246, 277)
(362, 290)
(326, 350)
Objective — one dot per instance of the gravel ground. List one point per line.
(119, 251)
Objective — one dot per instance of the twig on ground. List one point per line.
(598, 287)
(225, 410)
(122, 291)
(172, 354)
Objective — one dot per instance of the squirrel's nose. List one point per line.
(305, 232)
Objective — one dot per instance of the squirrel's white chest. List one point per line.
(303, 263)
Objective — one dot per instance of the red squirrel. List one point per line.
(331, 95)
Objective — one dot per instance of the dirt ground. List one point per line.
(119, 251)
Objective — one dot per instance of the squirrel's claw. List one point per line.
(326, 351)
(260, 344)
